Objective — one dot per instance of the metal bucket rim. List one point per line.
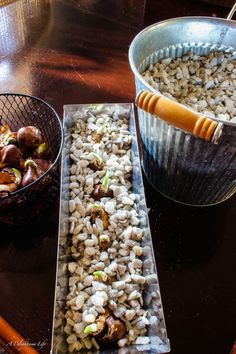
(157, 24)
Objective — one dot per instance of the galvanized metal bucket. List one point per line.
(180, 165)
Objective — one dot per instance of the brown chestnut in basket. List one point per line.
(34, 169)
(10, 155)
(7, 176)
(10, 179)
(42, 165)
(22, 165)
(29, 137)
(7, 136)
(42, 152)
(31, 174)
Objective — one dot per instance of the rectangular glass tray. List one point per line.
(159, 342)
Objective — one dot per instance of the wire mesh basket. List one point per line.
(16, 111)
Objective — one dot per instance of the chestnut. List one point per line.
(15, 149)
(29, 137)
(7, 136)
(111, 279)
(100, 275)
(109, 329)
(42, 152)
(101, 324)
(22, 165)
(10, 179)
(7, 176)
(116, 331)
(96, 162)
(98, 135)
(99, 192)
(42, 165)
(8, 188)
(102, 190)
(95, 166)
(31, 174)
(10, 155)
(99, 212)
(104, 242)
(34, 169)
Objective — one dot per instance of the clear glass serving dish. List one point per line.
(156, 331)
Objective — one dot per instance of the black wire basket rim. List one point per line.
(21, 190)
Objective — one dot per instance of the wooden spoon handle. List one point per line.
(177, 114)
(233, 350)
(6, 347)
(13, 339)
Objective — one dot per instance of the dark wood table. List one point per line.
(76, 51)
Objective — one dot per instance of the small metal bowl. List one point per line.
(16, 111)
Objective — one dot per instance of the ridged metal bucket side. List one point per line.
(174, 163)
(182, 167)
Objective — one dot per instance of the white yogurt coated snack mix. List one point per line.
(105, 304)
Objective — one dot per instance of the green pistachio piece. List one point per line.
(106, 182)
(91, 328)
(100, 274)
(93, 156)
(11, 140)
(41, 148)
(102, 128)
(30, 162)
(97, 206)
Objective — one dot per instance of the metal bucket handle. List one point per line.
(231, 13)
(179, 115)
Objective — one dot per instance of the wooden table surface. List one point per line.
(76, 51)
